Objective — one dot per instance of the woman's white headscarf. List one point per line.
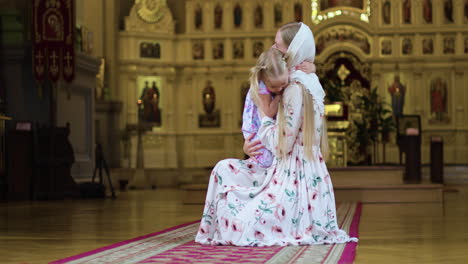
(302, 48)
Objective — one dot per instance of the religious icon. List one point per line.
(407, 123)
(386, 47)
(218, 50)
(466, 45)
(439, 101)
(237, 16)
(278, 15)
(218, 17)
(209, 98)
(428, 46)
(449, 45)
(150, 50)
(238, 49)
(386, 12)
(258, 17)
(210, 118)
(87, 37)
(198, 51)
(298, 12)
(466, 11)
(407, 46)
(397, 91)
(146, 49)
(100, 79)
(157, 50)
(257, 49)
(427, 11)
(407, 11)
(324, 4)
(448, 11)
(198, 18)
(149, 100)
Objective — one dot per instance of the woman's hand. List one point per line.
(250, 147)
(307, 67)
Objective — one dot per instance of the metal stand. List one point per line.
(139, 180)
(437, 159)
(100, 164)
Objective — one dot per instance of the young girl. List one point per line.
(267, 80)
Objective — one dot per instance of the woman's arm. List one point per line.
(292, 112)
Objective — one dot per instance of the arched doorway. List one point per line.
(340, 71)
(346, 81)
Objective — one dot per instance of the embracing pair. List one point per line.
(283, 194)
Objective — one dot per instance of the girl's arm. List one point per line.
(251, 147)
(307, 67)
(268, 105)
(292, 112)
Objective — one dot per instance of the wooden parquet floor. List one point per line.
(42, 231)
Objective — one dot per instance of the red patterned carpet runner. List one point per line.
(176, 245)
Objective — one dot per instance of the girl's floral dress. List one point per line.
(251, 124)
(290, 203)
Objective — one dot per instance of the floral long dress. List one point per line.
(251, 123)
(290, 203)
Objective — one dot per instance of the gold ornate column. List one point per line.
(417, 101)
(132, 115)
(337, 130)
(189, 16)
(460, 90)
(268, 16)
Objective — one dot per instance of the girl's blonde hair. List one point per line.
(308, 126)
(270, 65)
(288, 32)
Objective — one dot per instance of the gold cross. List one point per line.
(53, 57)
(343, 73)
(68, 58)
(39, 57)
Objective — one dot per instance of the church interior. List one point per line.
(113, 116)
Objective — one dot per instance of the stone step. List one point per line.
(349, 176)
(401, 193)
(357, 176)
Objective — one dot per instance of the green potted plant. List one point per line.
(333, 91)
(363, 137)
(387, 125)
(376, 119)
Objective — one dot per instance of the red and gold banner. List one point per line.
(53, 40)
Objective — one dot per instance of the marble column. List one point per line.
(111, 46)
(190, 19)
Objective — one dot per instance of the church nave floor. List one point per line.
(43, 231)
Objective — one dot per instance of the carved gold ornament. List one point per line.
(342, 8)
(151, 11)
